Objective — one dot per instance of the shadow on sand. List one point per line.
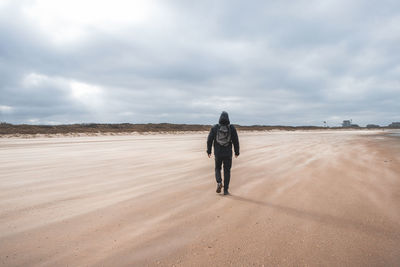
(326, 219)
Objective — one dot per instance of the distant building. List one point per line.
(346, 123)
(394, 125)
(373, 126)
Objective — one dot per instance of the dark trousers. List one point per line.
(227, 161)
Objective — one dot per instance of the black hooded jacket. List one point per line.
(222, 151)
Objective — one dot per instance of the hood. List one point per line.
(224, 118)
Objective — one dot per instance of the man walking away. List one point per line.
(223, 135)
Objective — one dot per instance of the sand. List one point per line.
(329, 198)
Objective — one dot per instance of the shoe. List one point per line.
(219, 186)
(226, 192)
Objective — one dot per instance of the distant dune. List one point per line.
(7, 129)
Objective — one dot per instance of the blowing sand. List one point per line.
(327, 198)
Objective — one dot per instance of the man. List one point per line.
(223, 135)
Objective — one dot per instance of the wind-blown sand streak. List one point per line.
(298, 198)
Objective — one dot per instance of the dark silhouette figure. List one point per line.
(223, 135)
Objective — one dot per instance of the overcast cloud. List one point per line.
(265, 62)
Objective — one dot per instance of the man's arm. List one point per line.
(210, 141)
(235, 141)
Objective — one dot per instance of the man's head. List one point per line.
(224, 118)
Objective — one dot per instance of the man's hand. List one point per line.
(236, 156)
(209, 155)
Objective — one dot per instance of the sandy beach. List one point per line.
(316, 198)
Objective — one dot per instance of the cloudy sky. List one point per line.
(265, 62)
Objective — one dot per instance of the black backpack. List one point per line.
(223, 135)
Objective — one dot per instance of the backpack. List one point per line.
(223, 135)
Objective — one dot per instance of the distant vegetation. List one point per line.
(7, 128)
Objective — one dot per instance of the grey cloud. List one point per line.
(266, 63)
